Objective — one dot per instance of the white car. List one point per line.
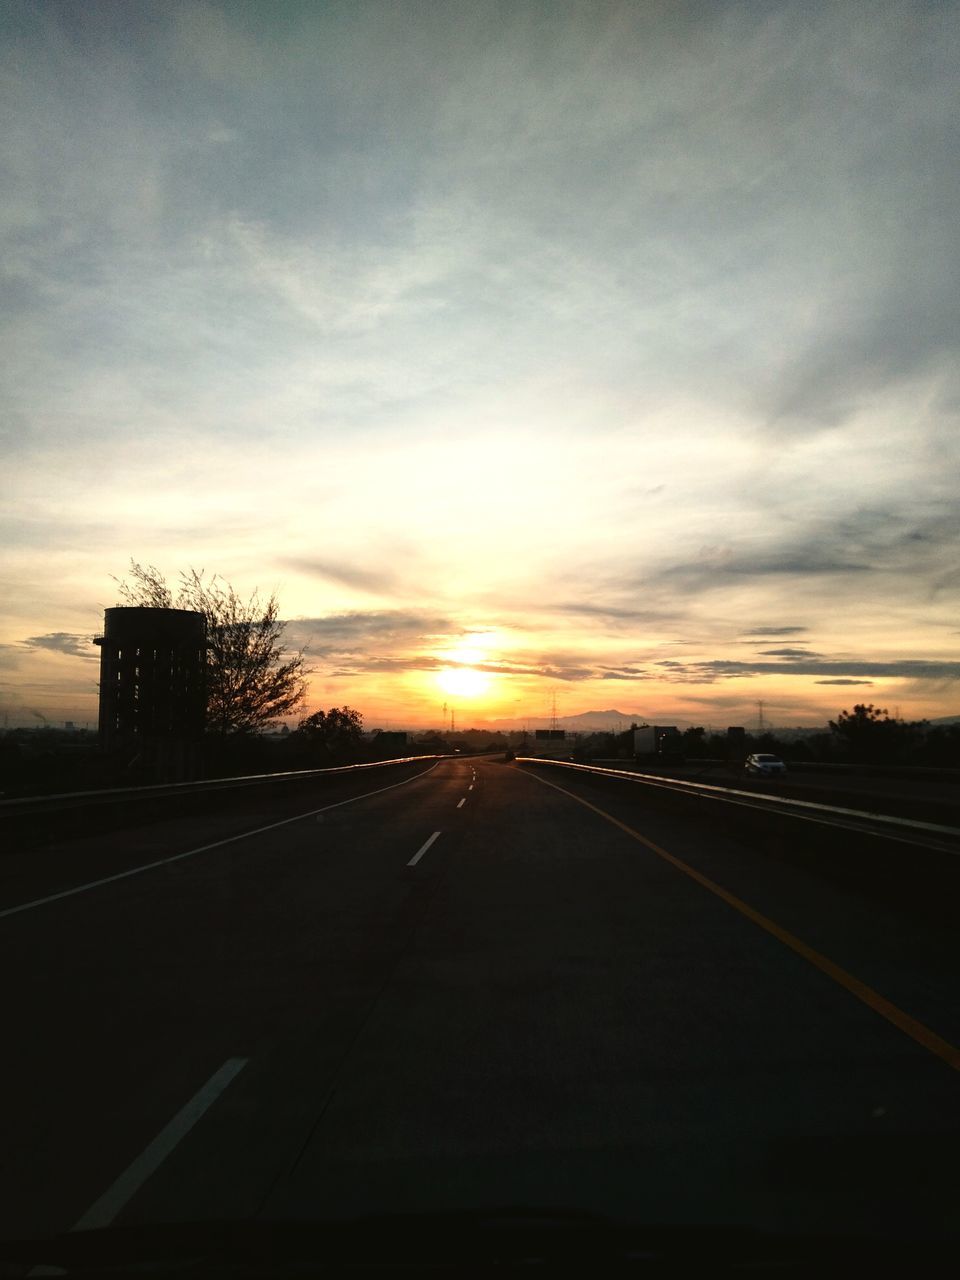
(765, 765)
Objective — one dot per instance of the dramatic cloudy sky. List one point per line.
(604, 349)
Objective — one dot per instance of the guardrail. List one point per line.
(938, 773)
(908, 830)
(49, 813)
(207, 784)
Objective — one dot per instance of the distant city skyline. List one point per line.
(601, 348)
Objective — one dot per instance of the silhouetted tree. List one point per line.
(252, 680)
(333, 734)
(867, 731)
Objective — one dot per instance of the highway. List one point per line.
(486, 984)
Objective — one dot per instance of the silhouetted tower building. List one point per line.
(152, 685)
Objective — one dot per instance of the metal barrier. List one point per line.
(939, 773)
(41, 818)
(157, 790)
(910, 830)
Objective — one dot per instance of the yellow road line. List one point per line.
(872, 999)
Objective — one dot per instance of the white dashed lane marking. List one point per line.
(104, 1210)
(422, 850)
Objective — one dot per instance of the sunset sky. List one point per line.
(598, 350)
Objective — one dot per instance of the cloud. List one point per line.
(375, 581)
(346, 632)
(608, 612)
(878, 333)
(565, 673)
(915, 543)
(725, 669)
(776, 631)
(843, 682)
(789, 653)
(77, 646)
(411, 662)
(10, 654)
(431, 662)
(718, 566)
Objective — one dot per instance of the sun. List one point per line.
(463, 682)
(465, 678)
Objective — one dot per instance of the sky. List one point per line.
(577, 350)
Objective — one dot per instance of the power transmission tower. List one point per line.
(761, 726)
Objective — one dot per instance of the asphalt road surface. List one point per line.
(470, 989)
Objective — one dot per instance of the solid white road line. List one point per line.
(462, 803)
(104, 1210)
(422, 850)
(217, 844)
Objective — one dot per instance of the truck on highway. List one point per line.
(657, 742)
